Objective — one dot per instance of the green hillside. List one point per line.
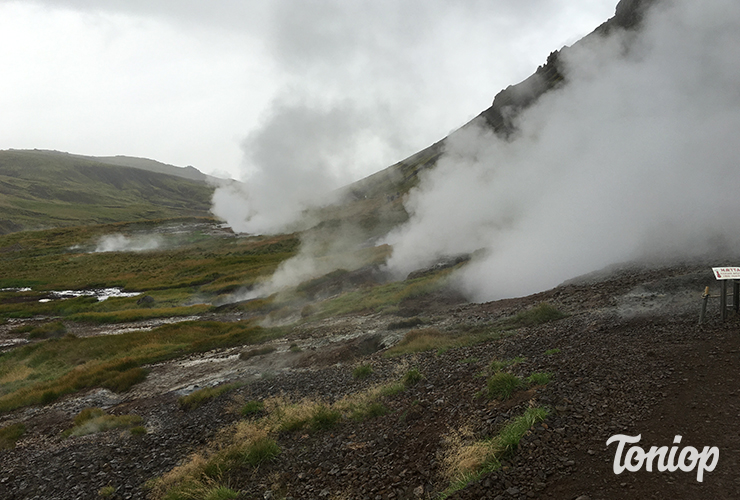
(40, 189)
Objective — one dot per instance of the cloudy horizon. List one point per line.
(210, 83)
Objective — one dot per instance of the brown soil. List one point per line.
(632, 360)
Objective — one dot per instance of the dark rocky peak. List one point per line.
(513, 99)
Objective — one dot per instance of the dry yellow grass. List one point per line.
(15, 373)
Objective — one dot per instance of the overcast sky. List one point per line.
(215, 84)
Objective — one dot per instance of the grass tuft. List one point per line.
(94, 420)
(539, 378)
(499, 365)
(502, 385)
(362, 372)
(10, 434)
(201, 396)
(467, 459)
(537, 315)
(106, 491)
(411, 377)
(252, 407)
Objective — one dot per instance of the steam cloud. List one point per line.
(299, 156)
(636, 157)
(121, 243)
(365, 84)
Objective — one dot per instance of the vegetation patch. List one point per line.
(201, 396)
(468, 459)
(10, 434)
(539, 378)
(251, 442)
(106, 491)
(383, 298)
(67, 365)
(202, 476)
(45, 331)
(362, 372)
(423, 339)
(537, 315)
(252, 407)
(502, 385)
(550, 352)
(93, 420)
(411, 377)
(499, 365)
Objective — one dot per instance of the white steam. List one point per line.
(319, 254)
(121, 243)
(637, 156)
(299, 156)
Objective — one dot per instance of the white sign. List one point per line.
(726, 273)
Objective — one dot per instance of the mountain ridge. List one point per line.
(40, 189)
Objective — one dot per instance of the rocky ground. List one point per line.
(632, 360)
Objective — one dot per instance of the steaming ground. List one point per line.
(122, 243)
(634, 158)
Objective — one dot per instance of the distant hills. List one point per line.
(41, 189)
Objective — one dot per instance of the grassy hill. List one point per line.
(40, 189)
(188, 172)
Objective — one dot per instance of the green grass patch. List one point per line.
(203, 476)
(539, 378)
(466, 461)
(94, 420)
(371, 410)
(10, 434)
(512, 433)
(129, 315)
(411, 377)
(550, 352)
(221, 493)
(252, 407)
(499, 365)
(382, 298)
(138, 430)
(45, 331)
(251, 442)
(42, 372)
(433, 339)
(392, 389)
(106, 491)
(537, 315)
(423, 339)
(362, 372)
(502, 385)
(201, 396)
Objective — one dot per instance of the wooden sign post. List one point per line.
(725, 274)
